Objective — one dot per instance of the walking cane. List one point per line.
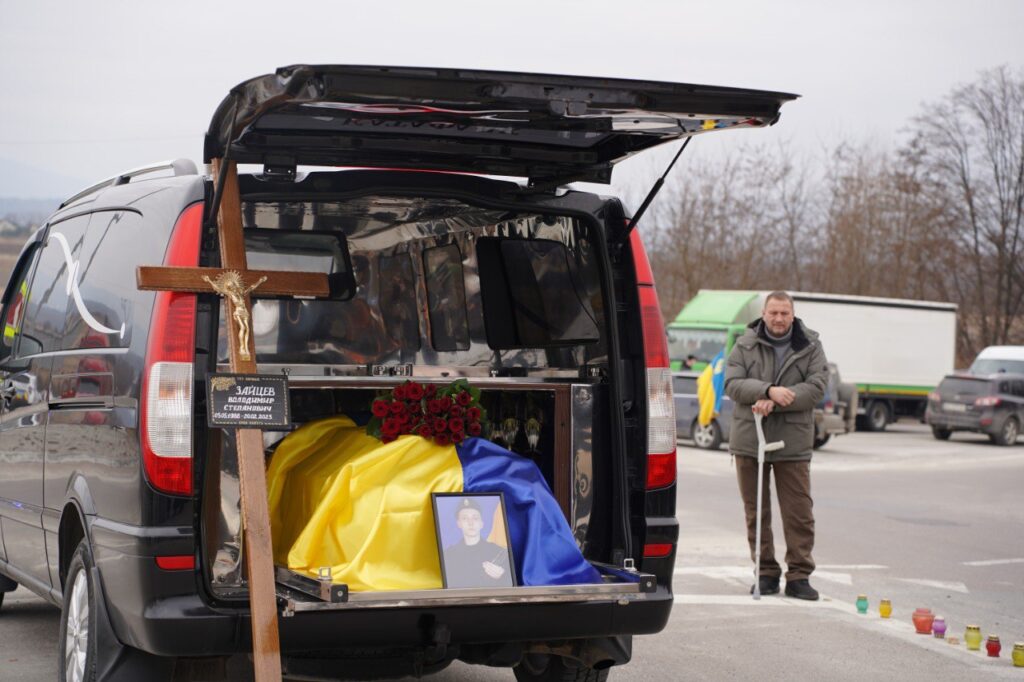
(762, 448)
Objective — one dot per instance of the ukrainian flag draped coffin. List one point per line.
(343, 499)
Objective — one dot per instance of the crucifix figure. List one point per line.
(229, 285)
(235, 283)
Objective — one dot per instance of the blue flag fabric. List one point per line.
(543, 548)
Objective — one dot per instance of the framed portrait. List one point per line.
(473, 540)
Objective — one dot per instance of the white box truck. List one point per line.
(895, 350)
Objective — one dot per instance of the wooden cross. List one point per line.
(236, 284)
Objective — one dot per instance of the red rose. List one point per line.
(473, 414)
(474, 428)
(434, 406)
(458, 437)
(397, 407)
(456, 411)
(413, 391)
(446, 403)
(398, 392)
(379, 408)
(440, 425)
(442, 439)
(464, 398)
(455, 425)
(430, 391)
(424, 431)
(391, 427)
(385, 438)
(415, 408)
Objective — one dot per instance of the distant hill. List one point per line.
(22, 180)
(27, 212)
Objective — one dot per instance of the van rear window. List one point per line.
(417, 286)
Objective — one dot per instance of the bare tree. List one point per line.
(972, 148)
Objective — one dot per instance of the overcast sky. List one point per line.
(94, 88)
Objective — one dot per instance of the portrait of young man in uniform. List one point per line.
(468, 556)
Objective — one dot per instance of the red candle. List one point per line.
(993, 647)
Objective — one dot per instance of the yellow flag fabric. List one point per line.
(498, 534)
(357, 505)
(706, 396)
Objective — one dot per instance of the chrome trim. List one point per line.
(622, 592)
(582, 472)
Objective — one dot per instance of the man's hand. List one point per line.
(781, 395)
(762, 407)
(493, 570)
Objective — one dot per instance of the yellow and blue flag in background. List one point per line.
(710, 388)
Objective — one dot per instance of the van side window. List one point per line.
(103, 316)
(446, 298)
(46, 314)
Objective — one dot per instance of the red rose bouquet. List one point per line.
(446, 415)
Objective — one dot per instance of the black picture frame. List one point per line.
(457, 562)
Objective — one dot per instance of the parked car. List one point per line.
(684, 394)
(993, 405)
(836, 414)
(119, 501)
(993, 359)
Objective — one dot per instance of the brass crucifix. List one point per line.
(230, 282)
(229, 285)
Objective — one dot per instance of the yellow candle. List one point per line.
(885, 608)
(972, 637)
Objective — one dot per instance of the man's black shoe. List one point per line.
(769, 585)
(801, 589)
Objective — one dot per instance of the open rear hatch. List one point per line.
(551, 129)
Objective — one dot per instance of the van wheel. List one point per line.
(557, 669)
(76, 643)
(706, 437)
(1008, 434)
(878, 416)
(941, 434)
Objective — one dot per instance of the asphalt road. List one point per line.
(899, 515)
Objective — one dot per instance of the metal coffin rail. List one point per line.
(298, 594)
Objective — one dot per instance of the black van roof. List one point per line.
(547, 128)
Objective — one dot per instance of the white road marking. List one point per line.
(841, 578)
(994, 562)
(852, 567)
(744, 574)
(938, 584)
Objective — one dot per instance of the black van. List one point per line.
(119, 503)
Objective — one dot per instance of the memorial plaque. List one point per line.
(248, 401)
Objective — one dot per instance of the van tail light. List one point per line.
(661, 409)
(987, 401)
(166, 415)
(935, 397)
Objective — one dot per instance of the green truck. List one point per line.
(895, 350)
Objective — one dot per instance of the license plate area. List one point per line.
(954, 407)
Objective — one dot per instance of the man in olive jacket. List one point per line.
(778, 369)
